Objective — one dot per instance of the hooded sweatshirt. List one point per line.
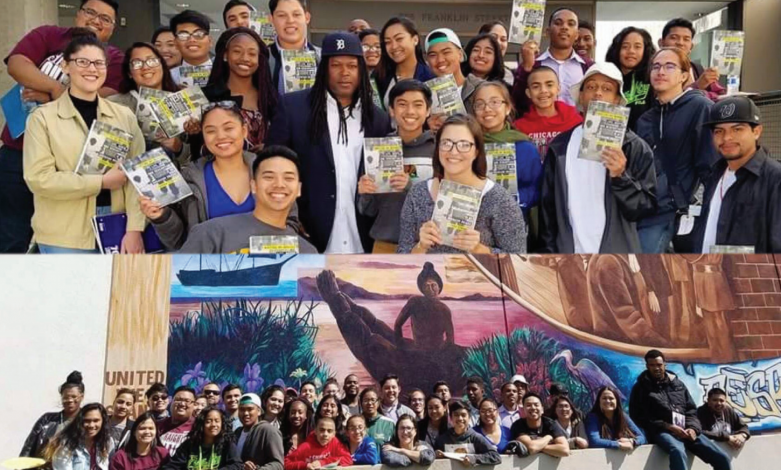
(528, 165)
(312, 451)
(386, 207)
(543, 129)
(484, 452)
(367, 453)
(683, 150)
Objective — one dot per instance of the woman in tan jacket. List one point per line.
(66, 202)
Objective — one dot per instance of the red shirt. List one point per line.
(543, 129)
(44, 46)
(123, 461)
(311, 451)
(172, 435)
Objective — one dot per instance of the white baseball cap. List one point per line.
(250, 399)
(442, 35)
(519, 378)
(605, 68)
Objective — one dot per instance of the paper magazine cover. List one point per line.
(727, 51)
(446, 99)
(456, 209)
(501, 166)
(155, 176)
(418, 168)
(527, 21)
(383, 157)
(147, 120)
(604, 126)
(192, 75)
(273, 244)
(259, 22)
(105, 146)
(110, 229)
(298, 69)
(177, 108)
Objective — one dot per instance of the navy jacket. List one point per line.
(317, 204)
(683, 151)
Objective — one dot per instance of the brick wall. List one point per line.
(756, 323)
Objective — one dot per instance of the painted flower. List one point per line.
(252, 381)
(196, 374)
(298, 373)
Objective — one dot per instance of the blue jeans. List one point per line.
(656, 238)
(702, 447)
(60, 250)
(16, 204)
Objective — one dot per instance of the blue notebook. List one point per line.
(16, 110)
(109, 230)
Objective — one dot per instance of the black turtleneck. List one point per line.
(89, 112)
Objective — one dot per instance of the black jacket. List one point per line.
(628, 198)
(43, 431)
(751, 209)
(191, 456)
(708, 420)
(683, 150)
(652, 403)
(317, 204)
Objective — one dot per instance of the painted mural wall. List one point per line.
(585, 321)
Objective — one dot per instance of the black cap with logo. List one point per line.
(734, 109)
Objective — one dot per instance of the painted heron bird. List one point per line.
(587, 373)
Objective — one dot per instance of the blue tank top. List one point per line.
(220, 202)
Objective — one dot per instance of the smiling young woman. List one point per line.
(65, 201)
(460, 157)
(85, 436)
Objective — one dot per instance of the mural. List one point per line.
(585, 321)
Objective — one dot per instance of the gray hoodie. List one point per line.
(395, 459)
(178, 220)
(387, 207)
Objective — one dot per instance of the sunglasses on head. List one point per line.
(225, 104)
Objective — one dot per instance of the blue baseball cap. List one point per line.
(342, 43)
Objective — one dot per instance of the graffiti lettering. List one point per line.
(755, 394)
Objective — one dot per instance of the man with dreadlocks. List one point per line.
(325, 125)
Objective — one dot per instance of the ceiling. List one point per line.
(639, 10)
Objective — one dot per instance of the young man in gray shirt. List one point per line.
(275, 185)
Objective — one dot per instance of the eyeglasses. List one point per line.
(225, 104)
(211, 392)
(137, 64)
(462, 146)
(83, 63)
(669, 67)
(371, 401)
(372, 48)
(185, 401)
(198, 34)
(92, 14)
(488, 411)
(158, 397)
(356, 428)
(493, 103)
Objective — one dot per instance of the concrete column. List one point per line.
(16, 19)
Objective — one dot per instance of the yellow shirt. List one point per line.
(64, 201)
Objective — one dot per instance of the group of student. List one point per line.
(303, 430)
(263, 162)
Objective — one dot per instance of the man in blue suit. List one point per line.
(326, 126)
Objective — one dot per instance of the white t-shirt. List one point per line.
(585, 197)
(712, 225)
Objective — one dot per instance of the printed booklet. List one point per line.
(105, 146)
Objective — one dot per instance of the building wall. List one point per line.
(16, 19)
(54, 312)
(761, 67)
(755, 323)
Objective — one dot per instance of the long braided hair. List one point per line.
(261, 79)
(318, 118)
